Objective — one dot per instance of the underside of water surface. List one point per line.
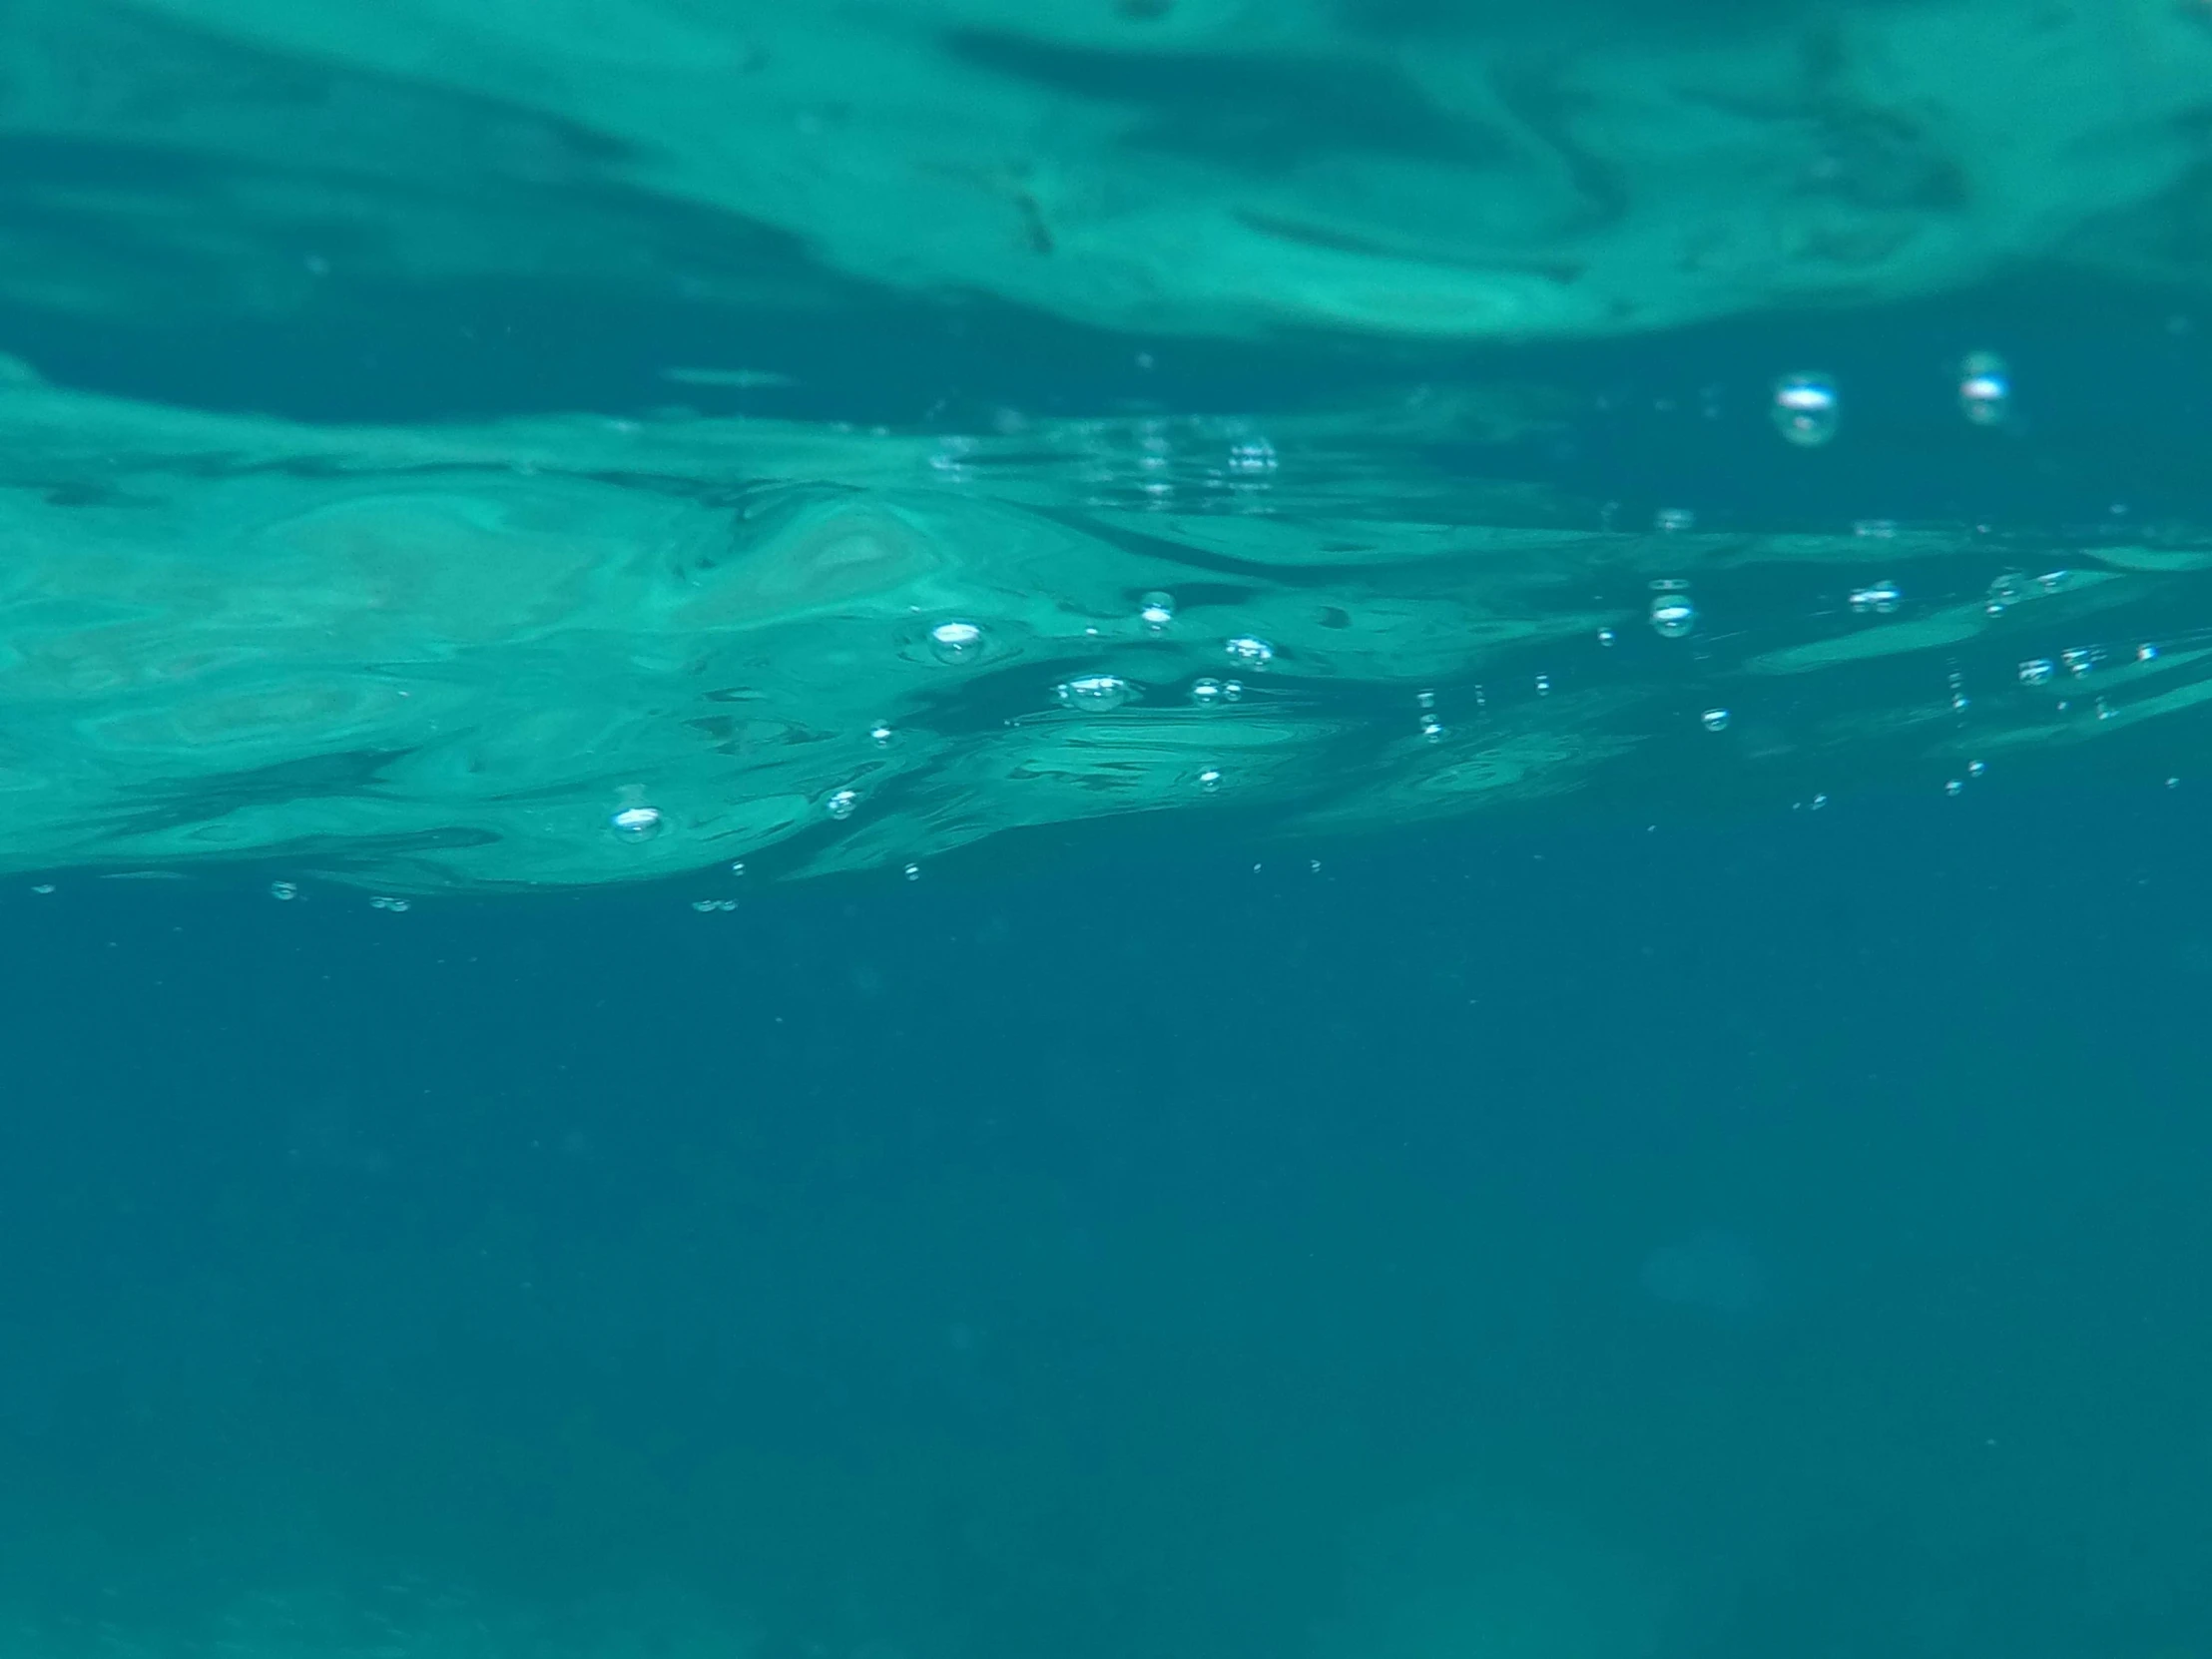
(588, 649)
(604, 628)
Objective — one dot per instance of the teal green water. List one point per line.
(1129, 829)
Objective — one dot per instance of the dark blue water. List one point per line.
(1114, 1258)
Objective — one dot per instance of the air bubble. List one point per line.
(881, 735)
(1250, 650)
(1880, 598)
(1210, 780)
(956, 642)
(1157, 611)
(842, 804)
(1984, 389)
(1672, 615)
(1805, 409)
(1093, 694)
(1714, 720)
(636, 823)
(284, 889)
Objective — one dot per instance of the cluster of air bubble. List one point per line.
(1152, 463)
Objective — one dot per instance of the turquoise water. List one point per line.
(1367, 829)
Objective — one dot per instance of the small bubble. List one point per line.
(384, 903)
(1984, 389)
(284, 889)
(1205, 692)
(842, 804)
(737, 866)
(956, 642)
(2081, 659)
(1805, 409)
(1433, 729)
(881, 735)
(1312, 866)
(2038, 670)
(704, 906)
(43, 887)
(1544, 685)
(1879, 596)
(1250, 650)
(2053, 580)
(2146, 652)
(913, 873)
(1956, 785)
(636, 823)
(1818, 801)
(1157, 611)
(1424, 698)
(1672, 615)
(1253, 455)
(1605, 636)
(1714, 720)
(1210, 780)
(1876, 529)
(1093, 694)
(1668, 520)
(1977, 769)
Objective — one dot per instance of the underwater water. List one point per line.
(1141, 829)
